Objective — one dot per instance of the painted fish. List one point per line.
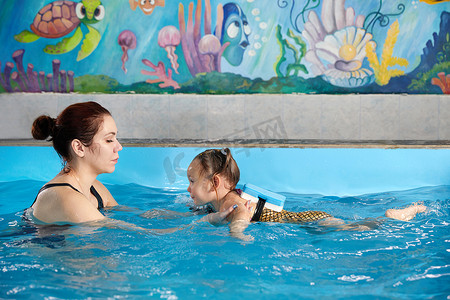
(434, 1)
(147, 6)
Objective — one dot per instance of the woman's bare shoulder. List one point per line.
(108, 199)
(57, 204)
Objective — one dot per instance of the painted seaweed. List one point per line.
(296, 66)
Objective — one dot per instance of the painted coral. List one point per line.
(383, 69)
(160, 72)
(202, 54)
(59, 81)
(443, 82)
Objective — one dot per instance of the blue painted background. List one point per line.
(326, 171)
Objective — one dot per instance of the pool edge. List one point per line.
(189, 143)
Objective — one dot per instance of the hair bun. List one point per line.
(43, 127)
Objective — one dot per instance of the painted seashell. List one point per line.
(346, 46)
(346, 79)
(344, 52)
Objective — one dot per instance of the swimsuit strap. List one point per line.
(50, 185)
(258, 210)
(98, 197)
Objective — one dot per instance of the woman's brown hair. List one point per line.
(78, 121)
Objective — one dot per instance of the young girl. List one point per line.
(213, 176)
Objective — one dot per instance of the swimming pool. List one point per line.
(400, 260)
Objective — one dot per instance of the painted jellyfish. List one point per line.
(235, 30)
(210, 46)
(169, 38)
(126, 40)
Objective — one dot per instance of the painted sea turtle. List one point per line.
(59, 18)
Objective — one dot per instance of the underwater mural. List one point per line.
(226, 46)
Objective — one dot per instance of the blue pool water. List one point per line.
(394, 260)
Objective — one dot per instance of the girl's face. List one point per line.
(103, 154)
(200, 188)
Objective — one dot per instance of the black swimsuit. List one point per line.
(93, 192)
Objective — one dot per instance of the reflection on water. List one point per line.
(404, 260)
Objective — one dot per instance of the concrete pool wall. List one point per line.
(419, 120)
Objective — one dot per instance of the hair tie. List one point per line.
(223, 151)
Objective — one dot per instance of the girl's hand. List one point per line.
(248, 211)
(219, 218)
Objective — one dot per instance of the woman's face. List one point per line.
(200, 188)
(103, 154)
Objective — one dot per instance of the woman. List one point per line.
(85, 137)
